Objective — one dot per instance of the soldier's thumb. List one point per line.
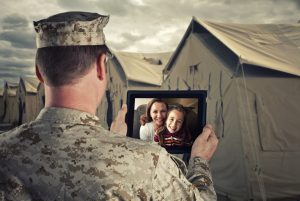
(206, 133)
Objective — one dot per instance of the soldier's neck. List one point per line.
(73, 97)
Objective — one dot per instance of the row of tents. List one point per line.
(251, 75)
(20, 102)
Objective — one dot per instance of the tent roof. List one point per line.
(30, 84)
(143, 67)
(273, 46)
(11, 88)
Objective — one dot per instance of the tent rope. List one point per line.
(254, 151)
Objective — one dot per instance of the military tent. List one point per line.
(28, 99)
(11, 112)
(41, 95)
(130, 71)
(251, 73)
(1, 99)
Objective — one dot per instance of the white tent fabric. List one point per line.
(41, 95)
(275, 46)
(143, 67)
(11, 114)
(254, 109)
(1, 87)
(30, 84)
(28, 99)
(1, 99)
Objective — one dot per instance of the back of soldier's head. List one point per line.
(68, 44)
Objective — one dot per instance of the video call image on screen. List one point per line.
(188, 126)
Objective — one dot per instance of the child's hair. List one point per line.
(183, 131)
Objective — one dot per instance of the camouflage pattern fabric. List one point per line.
(71, 28)
(66, 155)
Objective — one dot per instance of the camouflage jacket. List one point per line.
(66, 155)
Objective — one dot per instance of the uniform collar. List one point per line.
(67, 115)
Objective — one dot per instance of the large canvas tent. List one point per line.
(41, 95)
(251, 74)
(28, 99)
(11, 112)
(1, 100)
(130, 71)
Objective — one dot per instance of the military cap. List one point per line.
(71, 28)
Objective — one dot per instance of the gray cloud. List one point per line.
(132, 37)
(125, 41)
(112, 7)
(19, 39)
(76, 5)
(8, 52)
(14, 22)
(135, 25)
(15, 71)
(17, 32)
(7, 63)
(13, 74)
(8, 69)
(119, 46)
(16, 47)
(255, 11)
(296, 2)
(119, 7)
(8, 75)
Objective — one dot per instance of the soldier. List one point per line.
(66, 155)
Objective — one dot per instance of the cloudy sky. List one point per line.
(135, 25)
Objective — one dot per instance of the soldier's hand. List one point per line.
(205, 144)
(119, 125)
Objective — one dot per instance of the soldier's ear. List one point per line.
(38, 74)
(101, 66)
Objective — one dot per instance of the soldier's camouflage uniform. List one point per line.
(66, 155)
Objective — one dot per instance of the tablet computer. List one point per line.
(194, 103)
